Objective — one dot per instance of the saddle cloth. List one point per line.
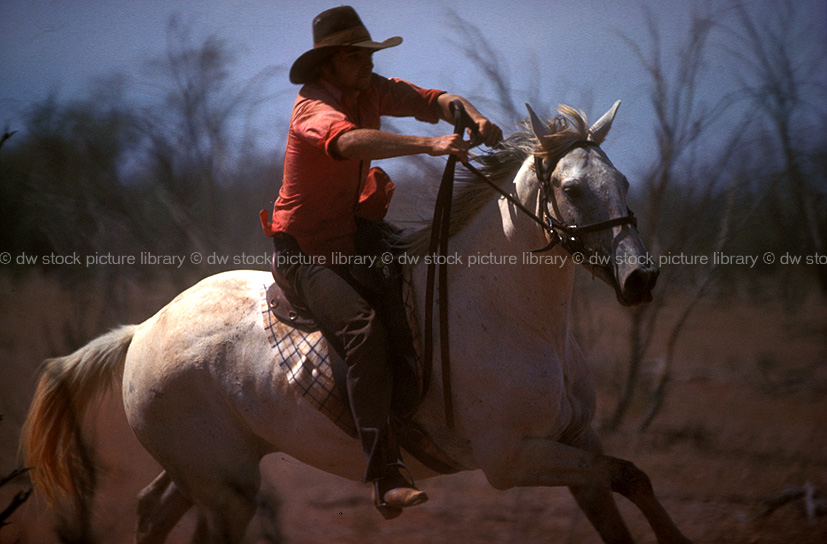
(317, 371)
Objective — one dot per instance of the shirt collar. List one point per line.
(334, 91)
(337, 94)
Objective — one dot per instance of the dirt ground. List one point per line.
(743, 423)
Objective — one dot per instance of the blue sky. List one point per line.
(56, 46)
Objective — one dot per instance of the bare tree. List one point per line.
(201, 133)
(778, 82)
(478, 50)
(682, 121)
(21, 496)
(784, 66)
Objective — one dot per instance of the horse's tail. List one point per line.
(51, 440)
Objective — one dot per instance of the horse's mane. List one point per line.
(568, 128)
(499, 165)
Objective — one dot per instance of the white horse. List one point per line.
(205, 397)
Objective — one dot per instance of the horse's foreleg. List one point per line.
(599, 506)
(202, 532)
(597, 502)
(535, 461)
(634, 484)
(160, 506)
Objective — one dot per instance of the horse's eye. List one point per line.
(571, 187)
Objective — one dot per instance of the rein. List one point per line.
(567, 235)
(439, 242)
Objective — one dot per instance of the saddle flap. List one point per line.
(288, 313)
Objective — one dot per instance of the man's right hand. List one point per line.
(450, 144)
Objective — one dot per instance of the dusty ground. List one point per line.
(744, 421)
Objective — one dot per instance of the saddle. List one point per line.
(319, 371)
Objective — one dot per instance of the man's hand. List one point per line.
(450, 144)
(487, 133)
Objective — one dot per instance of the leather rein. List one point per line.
(558, 232)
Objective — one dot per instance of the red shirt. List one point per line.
(321, 193)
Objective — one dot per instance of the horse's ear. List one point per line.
(599, 130)
(539, 128)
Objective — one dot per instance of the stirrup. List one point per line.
(400, 466)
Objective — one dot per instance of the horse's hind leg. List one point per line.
(227, 504)
(598, 503)
(218, 471)
(160, 506)
(210, 461)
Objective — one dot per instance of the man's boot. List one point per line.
(392, 491)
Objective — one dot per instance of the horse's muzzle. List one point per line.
(638, 284)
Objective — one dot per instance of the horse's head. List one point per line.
(583, 197)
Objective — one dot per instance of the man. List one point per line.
(329, 189)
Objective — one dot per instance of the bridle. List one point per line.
(566, 234)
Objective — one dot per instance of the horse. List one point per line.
(205, 398)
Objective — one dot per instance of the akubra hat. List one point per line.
(332, 29)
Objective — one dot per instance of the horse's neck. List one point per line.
(515, 287)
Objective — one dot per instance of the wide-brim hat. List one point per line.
(332, 29)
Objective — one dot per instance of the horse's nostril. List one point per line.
(641, 281)
(634, 282)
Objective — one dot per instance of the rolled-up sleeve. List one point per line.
(402, 98)
(319, 124)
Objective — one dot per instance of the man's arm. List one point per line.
(371, 144)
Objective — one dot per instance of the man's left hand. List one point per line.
(486, 133)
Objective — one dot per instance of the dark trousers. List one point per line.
(347, 315)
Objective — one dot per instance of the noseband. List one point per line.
(569, 235)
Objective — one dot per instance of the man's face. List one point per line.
(350, 68)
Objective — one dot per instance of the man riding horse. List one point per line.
(331, 199)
